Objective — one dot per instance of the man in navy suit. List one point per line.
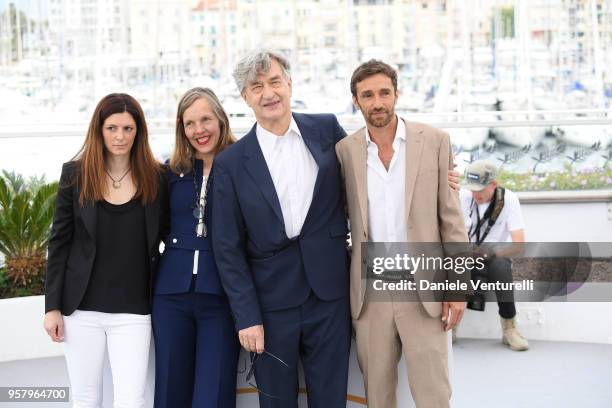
(280, 241)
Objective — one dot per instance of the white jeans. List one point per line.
(87, 336)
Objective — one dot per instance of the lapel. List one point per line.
(152, 221)
(359, 155)
(256, 166)
(313, 141)
(414, 150)
(89, 215)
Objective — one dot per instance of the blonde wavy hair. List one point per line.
(184, 153)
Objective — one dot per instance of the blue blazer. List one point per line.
(176, 263)
(260, 268)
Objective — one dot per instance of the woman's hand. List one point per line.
(54, 325)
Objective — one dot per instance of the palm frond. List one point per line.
(15, 181)
(26, 214)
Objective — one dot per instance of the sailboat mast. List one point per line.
(597, 57)
(18, 34)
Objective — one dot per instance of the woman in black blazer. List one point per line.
(103, 251)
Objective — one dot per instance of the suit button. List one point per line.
(152, 259)
(174, 240)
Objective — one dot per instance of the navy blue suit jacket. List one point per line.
(176, 263)
(260, 268)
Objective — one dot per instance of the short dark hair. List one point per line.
(369, 68)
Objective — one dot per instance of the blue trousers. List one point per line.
(196, 351)
(318, 332)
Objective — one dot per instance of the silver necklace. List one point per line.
(117, 183)
(199, 207)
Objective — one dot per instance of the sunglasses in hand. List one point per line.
(251, 372)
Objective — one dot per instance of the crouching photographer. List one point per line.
(493, 214)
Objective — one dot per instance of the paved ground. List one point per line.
(486, 375)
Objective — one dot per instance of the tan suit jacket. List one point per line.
(433, 211)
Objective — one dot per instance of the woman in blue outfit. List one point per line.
(196, 346)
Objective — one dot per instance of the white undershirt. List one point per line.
(293, 172)
(200, 226)
(387, 190)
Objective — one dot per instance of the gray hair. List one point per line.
(255, 63)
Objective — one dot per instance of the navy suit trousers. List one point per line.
(318, 332)
(196, 349)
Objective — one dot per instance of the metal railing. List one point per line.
(161, 128)
(241, 125)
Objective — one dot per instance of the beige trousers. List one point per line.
(385, 330)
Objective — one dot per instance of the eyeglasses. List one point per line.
(251, 372)
(198, 213)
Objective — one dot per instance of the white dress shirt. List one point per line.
(387, 190)
(293, 172)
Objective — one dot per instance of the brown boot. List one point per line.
(511, 336)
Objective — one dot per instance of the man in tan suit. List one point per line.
(395, 175)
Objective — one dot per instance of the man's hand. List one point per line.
(252, 339)
(486, 251)
(452, 313)
(453, 180)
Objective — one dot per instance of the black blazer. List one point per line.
(72, 245)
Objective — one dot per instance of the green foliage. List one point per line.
(568, 179)
(4, 286)
(26, 214)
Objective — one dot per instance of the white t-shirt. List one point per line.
(510, 218)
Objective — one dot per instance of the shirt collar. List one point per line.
(264, 133)
(400, 132)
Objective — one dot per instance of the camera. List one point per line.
(477, 300)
